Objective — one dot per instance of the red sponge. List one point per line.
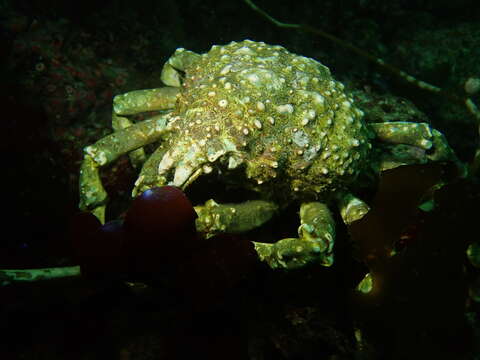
(163, 210)
(160, 228)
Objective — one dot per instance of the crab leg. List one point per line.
(137, 157)
(314, 244)
(416, 134)
(106, 150)
(180, 60)
(127, 137)
(351, 208)
(214, 218)
(138, 101)
(148, 176)
(316, 232)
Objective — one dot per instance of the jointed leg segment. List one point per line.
(126, 138)
(314, 244)
(108, 149)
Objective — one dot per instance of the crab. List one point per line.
(263, 119)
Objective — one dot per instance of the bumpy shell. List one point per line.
(271, 120)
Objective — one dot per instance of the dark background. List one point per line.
(61, 64)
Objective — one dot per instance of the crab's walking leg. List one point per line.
(180, 60)
(314, 244)
(214, 218)
(419, 135)
(137, 157)
(351, 208)
(148, 177)
(400, 132)
(106, 150)
(127, 137)
(139, 101)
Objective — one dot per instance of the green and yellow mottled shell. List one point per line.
(278, 117)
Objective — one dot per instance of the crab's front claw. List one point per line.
(314, 244)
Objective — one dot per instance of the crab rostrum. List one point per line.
(266, 120)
